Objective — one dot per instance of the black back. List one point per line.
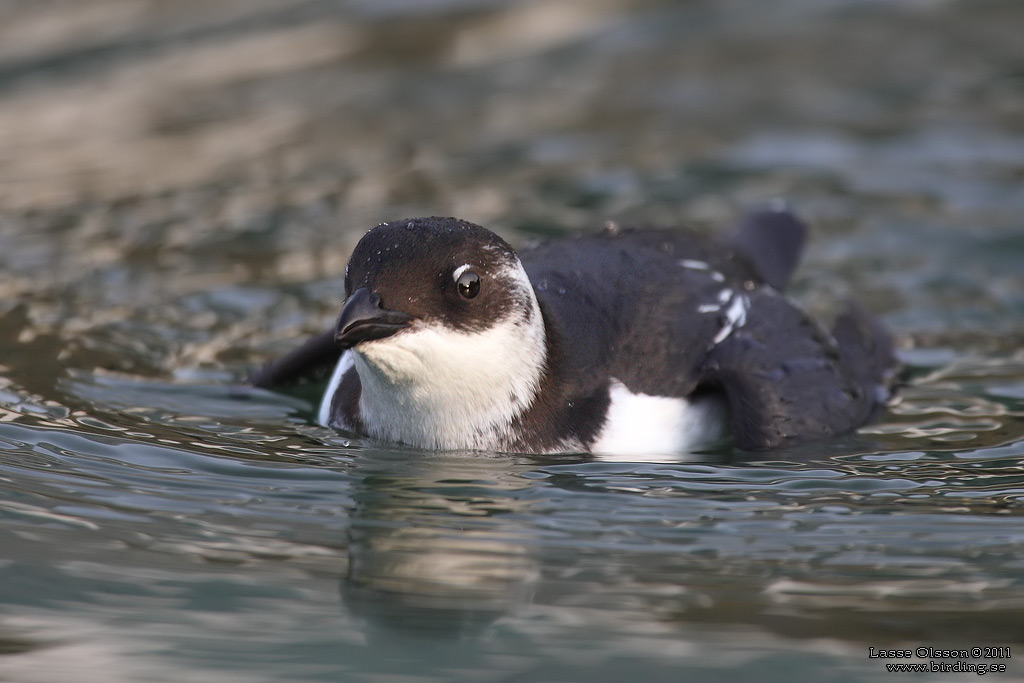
(626, 307)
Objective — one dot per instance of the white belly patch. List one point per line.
(643, 425)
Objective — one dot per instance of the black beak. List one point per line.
(363, 319)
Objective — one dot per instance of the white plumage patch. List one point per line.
(345, 363)
(736, 307)
(639, 425)
(701, 265)
(694, 265)
(735, 317)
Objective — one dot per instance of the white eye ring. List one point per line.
(457, 273)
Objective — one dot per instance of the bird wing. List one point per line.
(311, 359)
(787, 381)
(669, 313)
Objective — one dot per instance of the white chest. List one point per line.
(433, 387)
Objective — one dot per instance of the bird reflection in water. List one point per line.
(434, 546)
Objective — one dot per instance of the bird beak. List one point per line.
(363, 319)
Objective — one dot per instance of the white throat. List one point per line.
(438, 388)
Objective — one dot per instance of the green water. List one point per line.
(181, 184)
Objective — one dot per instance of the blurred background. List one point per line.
(181, 184)
(155, 151)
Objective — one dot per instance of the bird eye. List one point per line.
(469, 284)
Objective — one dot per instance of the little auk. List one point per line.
(626, 342)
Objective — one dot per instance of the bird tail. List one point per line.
(772, 241)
